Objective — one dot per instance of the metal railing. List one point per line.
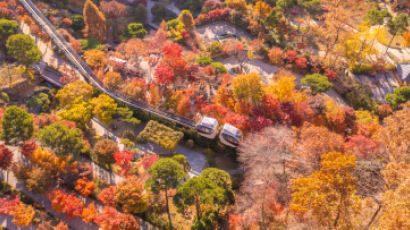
(86, 71)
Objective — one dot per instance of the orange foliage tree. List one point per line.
(84, 186)
(95, 22)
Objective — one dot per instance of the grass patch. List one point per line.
(161, 135)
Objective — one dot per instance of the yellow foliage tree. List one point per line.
(239, 5)
(224, 98)
(248, 88)
(262, 9)
(23, 215)
(72, 91)
(95, 58)
(79, 111)
(284, 89)
(104, 107)
(186, 17)
(95, 22)
(330, 193)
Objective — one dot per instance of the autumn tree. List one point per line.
(17, 125)
(165, 174)
(130, 196)
(313, 141)
(22, 215)
(72, 91)
(6, 157)
(266, 157)
(135, 30)
(84, 186)
(95, 22)
(113, 9)
(184, 105)
(248, 87)
(111, 219)
(164, 75)
(105, 148)
(106, 196)
(104, 107)
(79, 112)
(89, 213)
(330, 193)
(63, 202)
(112, 79)
(239, 5)
(62, 140)
(123, 160)
(186, 17)
(28, 148)
(95, 58)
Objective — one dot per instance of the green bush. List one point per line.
(318, 83)
(190, 143)
(135, 30)
(362, 69)
(204, 61)
(161, 135)
(37, 100)
(400, 95)
(77, 22)
(91, 43)
(219, 67)
(215, 48)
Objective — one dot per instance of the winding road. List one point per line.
(88, 74)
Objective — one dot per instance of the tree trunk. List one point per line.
(198, 208)
(169, 214)
(375, 213)
(391, 40)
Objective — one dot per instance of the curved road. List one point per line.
(85, 70)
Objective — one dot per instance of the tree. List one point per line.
(313, 141)
(362, 146)
(106, 196)
(239, 5)
(7, 28)
(22, 215)
(113, 9)
(23, 48)
(28, 148)
(330, 193)
(95, 22)
(95, 58)
(164, 75)
(184, 105)
(199, 190)
(78, 89)
(69, 204)
(130, 196)
(111, 219)
(186, 17)
(400, 95)
(269, 163)
(241, 122)
(79, 112)
(317, 82)
(135, 30)
(123, 159)
(105, 148)
(89, 213)
(283, 88)
(104, 107)
(221, 178)
(397, 26)
(248, 87)
(165, 174)
(6, 157)
(62, 140)
(112, 79)
(262, 9)
(17, 125)
(77, 22)
(394, 135)
(39, 100)
(84, 186)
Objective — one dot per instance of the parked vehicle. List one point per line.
(230, 135)
(207, 127)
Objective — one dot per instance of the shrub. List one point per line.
(91, 43)
(190, 143)
(400, 95)
(219, 68)
(161, 135)
(362, 69)
(39, 100)
(317, 82)
(215, 48)
(135, 30)
(104, 149)
(204, 61)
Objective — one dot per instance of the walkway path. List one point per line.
(196, 160)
